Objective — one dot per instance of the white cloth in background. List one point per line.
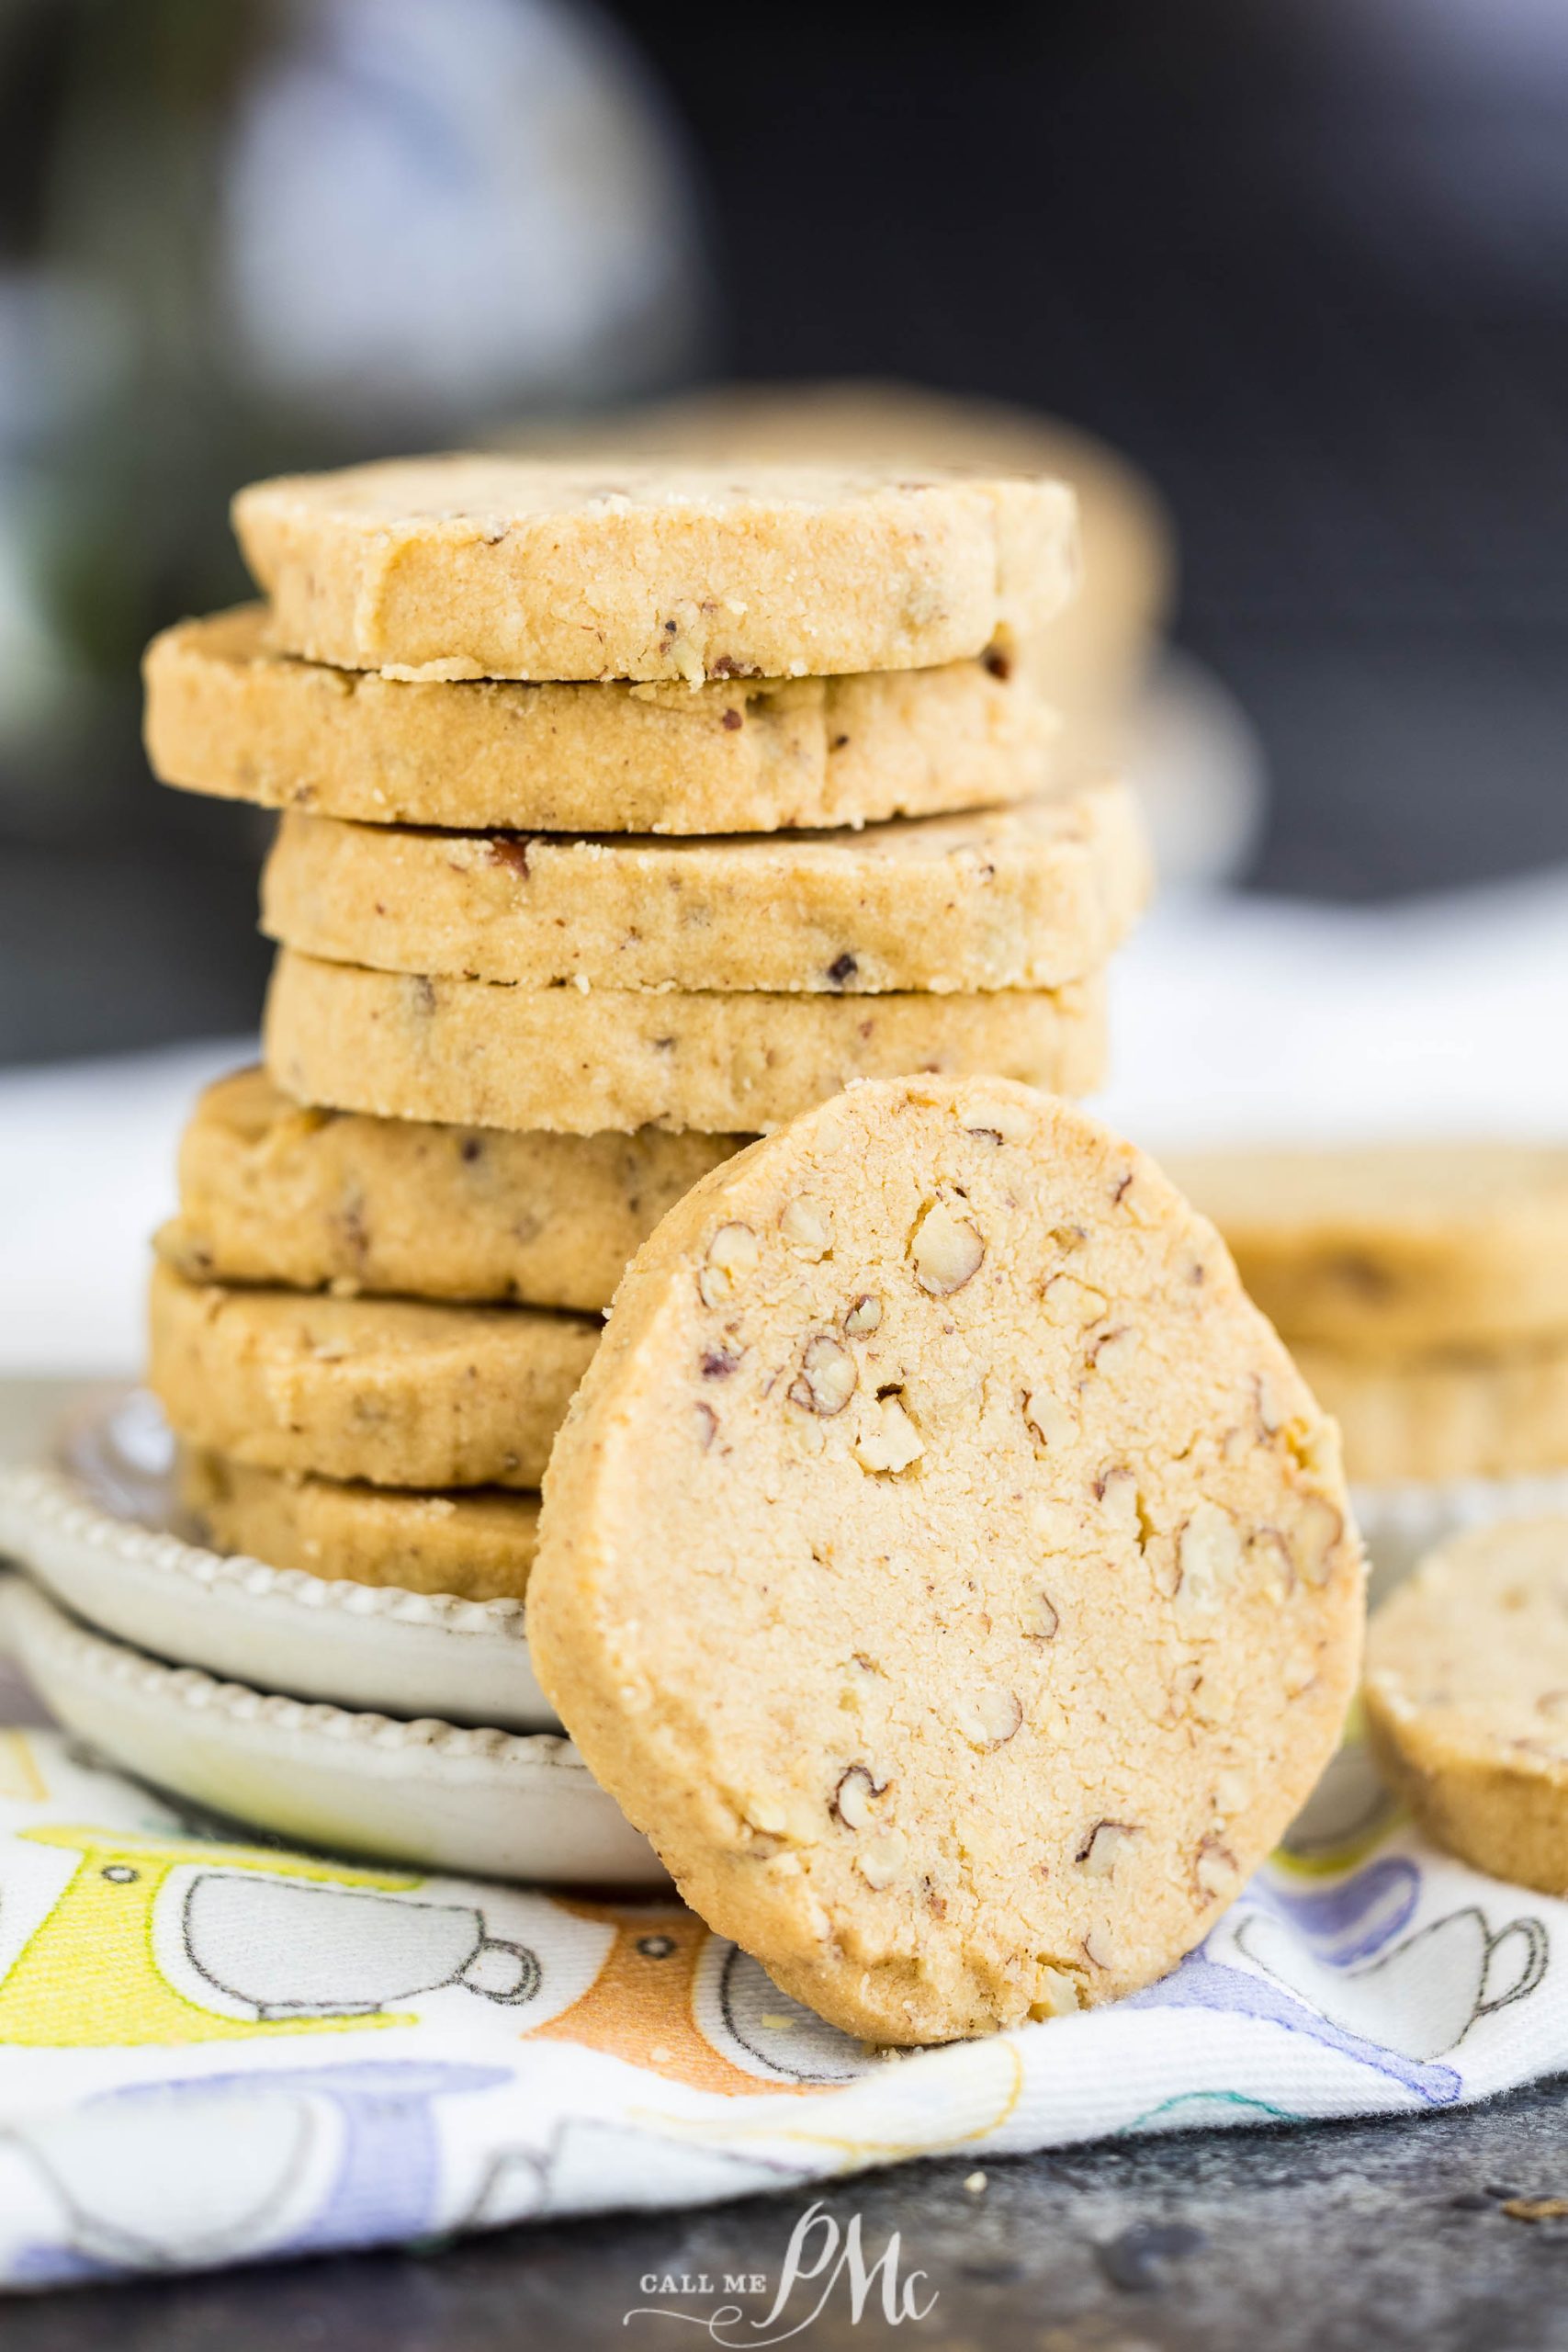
(86, 1172)
(1257, 1019)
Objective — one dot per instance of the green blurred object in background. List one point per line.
(243, 237)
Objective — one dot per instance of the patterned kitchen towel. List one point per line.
(214, 2052)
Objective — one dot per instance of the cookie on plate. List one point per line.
(943, 1563)
(477, 1543)
(1467, 1697)
(226, 716)
(394, 1391)
(1384, 1248)
(495, 567)
(1011, 897)
(274, 1191)
(578, 1061)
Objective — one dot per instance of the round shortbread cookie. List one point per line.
(272, 1192)
(1017, 897)
(1441, 1416)
(477, 1544)
(493, 566)
(580, 1062)
(226, 716)
(943, 1563)
(1467, 1697)
(1394, 1247)
(394, 1391)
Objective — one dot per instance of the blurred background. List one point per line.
(1304, 262)
(1302, 265)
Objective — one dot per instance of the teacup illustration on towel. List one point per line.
(287, 1948)
(176, 1939)
(1424, 1995)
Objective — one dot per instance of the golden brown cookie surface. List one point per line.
(1016, 897)
(1443, 1415)
(580, 1062)
(392, 1391)
(226, 716)
(274, 1191)
(477, 1544)
(1089, 661)
(492, 567)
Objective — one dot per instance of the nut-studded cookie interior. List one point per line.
(1478, 1640)
(943, 1563)
(1467, 1697)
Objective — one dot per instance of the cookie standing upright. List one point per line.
(494, 567)
(946, 1424)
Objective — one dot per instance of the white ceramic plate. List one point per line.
(99, 1523)
(426, 1793)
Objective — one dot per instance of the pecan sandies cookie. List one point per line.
(497, 567)
(718, 1061)
(477, 1543)
(398, 1392)
(275, 1191)
(943, 1563)
(226, 715)
(1018, 898)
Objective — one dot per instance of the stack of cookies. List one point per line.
(627, 812)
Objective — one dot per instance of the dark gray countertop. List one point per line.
(1340, 2238)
